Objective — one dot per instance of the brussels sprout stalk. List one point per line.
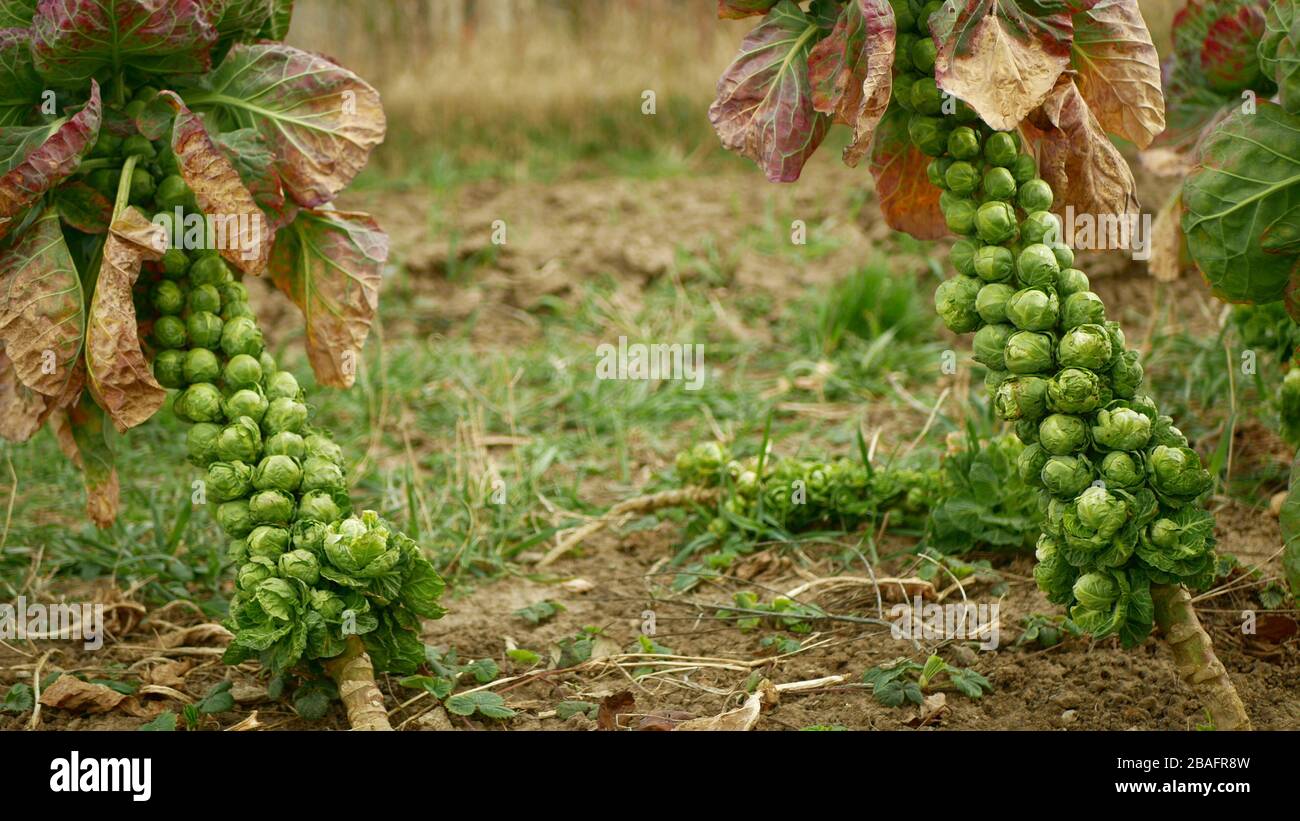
(354, 674)
(1194, 657)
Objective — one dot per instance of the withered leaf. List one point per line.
(850, 71)
(83, 207)
(1119, 70)
(83, 438)
(1165, 263)
(71, 693)
(907, 199)
(613, 706)
(22, 410)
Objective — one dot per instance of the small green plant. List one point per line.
(1046, 631)
(904, 680)
(19, 699)
(781, 613)
(540, 612)
(164, 722)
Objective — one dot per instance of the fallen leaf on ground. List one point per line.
(744, 717)
(612, 707)
(70, 693)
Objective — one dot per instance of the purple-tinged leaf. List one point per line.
(77, 40)
(850, 71)
(44, 164)
(277, 26)
(1279, 53)
(321, 119)
(764, 108)
(17, 13)
(241, 19)
(1119, 70)
(249, 153)
(738, 9)
(87, 441)
(20, 86)
(908, 200)
(83, 207)
(1229, 60)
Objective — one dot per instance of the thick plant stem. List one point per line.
(1194, 657)
(355, 677)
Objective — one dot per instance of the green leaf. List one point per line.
(277, 25)
(489, 705)
(312, 699)
(540, 612)
(17, 13)
(483, 670)
(20, 85)
(969, 682)
(164, 722)
(218, 699)
(568, 709)
(933, 667)
(19, 699)
(521, 656)
(421, 589)
(437, 686)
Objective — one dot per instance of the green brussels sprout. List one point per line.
(240, 441)
(200, 365)
(173, 193)
(277, 472)
(227, 481)
(106, 145)
(999, 184)
(960, 217)
(989, 344)
(1027, 431)
(1033, 309)
(1065, 477)
(1029, 464)
(1072, 281)
(204, 329)
(1126, 375)
(142, 186)
(993, 263)
(318, 505)
(1028, 352)
(254, 572)
(995, 222)
(360, 547)
(1054, 576)
(927, 132)
(1118, 343)
(241, 335)
(962, 257)
(1021, 397)
(282, 385)
(309, 531)
(1023, 168)
(268, 542)
(1074, 390)
(962, 178)
(1064, 254)
(242, 371)
(1062, 434)
(285, 443)
(1122, 470)
(204, 298)
(300, 565)
(993, 379)
(902, 91)
(923, 18)
(200, 402)
(237, 551)
(1035, 195)
(1163, 432)
(991, 302)
(954, 300)
(105, 181)
(1146, 406)
(233, 291)
(1121, 429)
(201, 443)
(1084, 346)
(1100, 513)
(1082, 308)
(271, 507)
(323, 447)
(284, 414)
(209, 269)
(175, 263)
(1000, 149)
(169, 368)
(167, 297)
(321, 474)
(1041, 227)
(964, 143)
(138, 146)
(169, 332)
(235, 518)
(246, 402)
(1176, 474)
(330, 605)
(234, 310)
(923, 53)
(1096, 591)
(936, 171)
(1036, 266)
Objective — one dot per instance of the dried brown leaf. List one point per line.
(1165, 263)
(850, 71)
(908, 200)
(1119, 70)
(71, 693)
(612, 706)
(21, 409)
(744, 717)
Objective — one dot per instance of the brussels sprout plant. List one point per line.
(155, 155)
(1011, 120)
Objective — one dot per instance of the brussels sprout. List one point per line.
(237, 551)
(1122, 470)
(167, 297)
(300, 565)
(1021, 397)
(1146, 406)
(923, 53)
(962, 257)
(106, 145)
(1065, 477)
(989, 344)
(268, 364)
(175, 263)
(928, 133)
(960, 217)
(1126, 375)
(1176, 474)
(1117, 341)
(964, 143)
(936, 171)
(1029, 464)
(991, 302)
(999, 184)
(1082, 308)
(954, 300)
(962, 178)
(993, 379)
(242, 371)
(1036, 266)
(1098, 514)
(1023, 168)
(1164, 433)
(246, 402)
(1121, 429)
(234, 310)
(173, 193)
(209, 269)
(1000, 149)
(105, 181)
(1028, 352)
(321, 474)
(142, 185)
(268, 542)
(1035, 195)
(1062, 434)
(318, 505)
(1041, 227)
(1027, 431)
(285, 443)
(1033, 309)
(138, 146)
(201, 443)
(996, 222)
(282, 385)
(1074, 390)
(284, 414)
(1096, 591)
(271, 507)
(1084, 346)
(253, 573)
(169, 369)
(241, 335)
(905, 17)
(235, 518)
(227, 481)
(309, 531)
(902, 92)
(928, 10)
(1072, 281)
(200, 402)
(204, 329)
(323, 447)
(1064, 255)
(200, 365)
(233, 291)
(204, 298)
(277, 472)
(241, 441)
(169, 332)
(993, 263)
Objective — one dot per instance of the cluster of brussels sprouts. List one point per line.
(1270, 330)
(1118, 484)
(798, 493)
